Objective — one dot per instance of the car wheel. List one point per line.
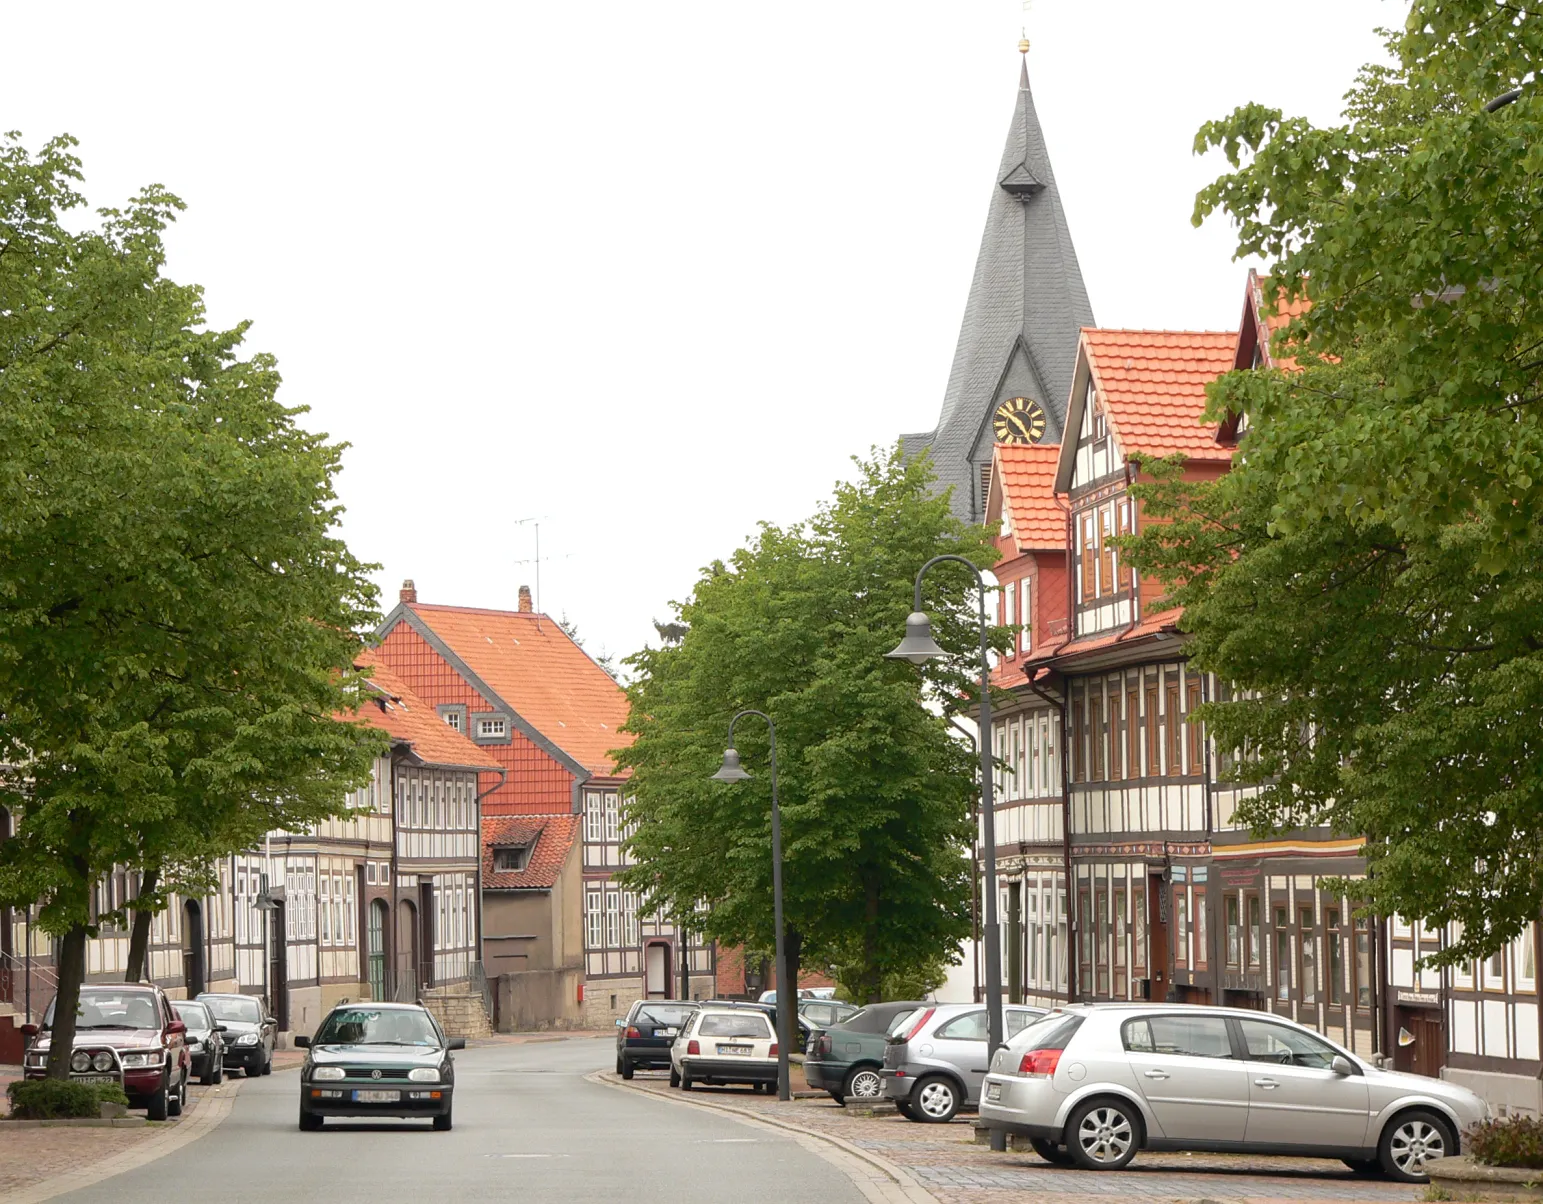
(309, 1121)
(1052, 1153)
(864, 1083)
(155, 1106)
(838, 1097)
(1409, 1142)
(935, 1100)
(267, 1065)
(1102, 1135)
(442, 1123)
(218, 1075)
(903, 1106)
(175, 1101)
(685, 1081)
(674, 1077)
(207, 1079)
(1363, 1166)
(628, 1070)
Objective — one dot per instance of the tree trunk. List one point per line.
(139, 933)
(72, 972)
(793, 947)
(872, 973)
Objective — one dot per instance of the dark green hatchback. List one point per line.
(378, 1060)
(845, 1058)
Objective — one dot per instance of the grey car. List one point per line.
(935, 1058)
(1092, 1085)
(251, 1032)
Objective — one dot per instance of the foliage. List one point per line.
(177, 618)
(56, 1099)
(874, 789)
(1368, 574)
(916, 980)
(1515, 1140)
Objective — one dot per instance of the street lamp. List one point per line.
(918, 647)
(731, 771)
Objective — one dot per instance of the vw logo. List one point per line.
(375, 1074)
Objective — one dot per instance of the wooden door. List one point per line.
(1157, 938)
(375, 946)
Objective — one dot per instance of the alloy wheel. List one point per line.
(1105, 1135)
(936, 1099)
(1416, 1142)
(865, 1084)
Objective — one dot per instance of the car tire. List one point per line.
(175, 1102)
(309, 1121)
(863, 1083)
(207, 1079)
(1055, 1155)
(442, 1123)
(628, 1070)
(935, 1100)
(1103, 1134)
(903, 1106)
(838, 1097)
(685, 1081)
(1363, 1166)
(267, 1065)
(674, 1077)
(217, 1076)
(1409, 1141)
(155, 1105)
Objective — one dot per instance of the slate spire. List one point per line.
(1026, 305)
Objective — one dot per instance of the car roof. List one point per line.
(118, 988)
(382, 1005)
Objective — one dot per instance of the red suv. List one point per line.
(123, 1033)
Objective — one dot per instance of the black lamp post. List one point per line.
(786, 992)
(919, 647)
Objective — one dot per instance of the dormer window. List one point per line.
(512, 858)
(492, 727)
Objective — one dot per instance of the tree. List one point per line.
(1368, 574)
(875, 791)
(177, 619)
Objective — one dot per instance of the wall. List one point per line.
(535, 1000)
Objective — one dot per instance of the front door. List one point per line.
(656, 971)
(1184, 1066)
(1157, 940)
(375, 946)
(962, 1043)
(193, 948)
(406, 983)
(1293, 1096)
(278, 968)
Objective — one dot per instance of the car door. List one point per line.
(1294, 1097)
(1184, 1064)
(961, 1042)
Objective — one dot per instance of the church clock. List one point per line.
(1018, 420)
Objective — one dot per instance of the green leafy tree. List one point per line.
(1368, 576)
(875, 791)
(177, 618)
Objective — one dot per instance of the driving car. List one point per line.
(725, 1045)
(935, 1058)
(844, 1058)
(1091, 1086)
(251, 1031)
(644, 1036)
(126, 1033)
(205, 1038)
(377, 1059)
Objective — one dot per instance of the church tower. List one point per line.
(1012, 370)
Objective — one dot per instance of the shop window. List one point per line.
(1283, 958)
(1255, 932)
(1335, 940)
(1307, 946)
(1180, 927)
(1202, 931)
(1363, 963)
(1234, 932)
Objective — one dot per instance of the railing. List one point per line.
(479, 982)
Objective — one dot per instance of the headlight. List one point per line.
(102, 1063)
(140, 1061)
(327, 1073)
(80, 1062)
(247, 1039)
(424, 1074)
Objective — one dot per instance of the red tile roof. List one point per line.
(1152, 384)
(534, 667)
(1150, 625)
(554, 837)
(397, 711)
(1026, 473)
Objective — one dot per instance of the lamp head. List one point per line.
(730, 770)
(918, 647)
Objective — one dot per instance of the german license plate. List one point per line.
(94, 1078)
(736, 1049)
(993, 1091)
(667, 1032)
(377, 1097)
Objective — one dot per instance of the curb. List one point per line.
(77, 1122)
(895, 1187)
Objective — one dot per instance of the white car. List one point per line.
(725, 1045)
(1092, 1085)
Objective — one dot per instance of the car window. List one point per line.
(661, 1016)
(1051, 1031)
(192, 1014)
(751, 1024)
(111, 1009)
(818, 1013)
(901, 1021)
(1268, 1042)
(969, 1027)
(1192, 1036)
(241, 1008)
(365, 1025)
(1018, 1019)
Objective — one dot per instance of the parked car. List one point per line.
(936, 1059)
(822, 1013)
(205, 1038)
(123, 1034)
(1093, 1085)
(377, 1059)
(801, 1027)
(844, 1058)
(644, 1038)
(725, 1045)
(251, 1032)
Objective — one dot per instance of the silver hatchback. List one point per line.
(1091, 1085)
(935, 1057)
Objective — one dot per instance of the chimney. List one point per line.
(409, 591)
(525, 606)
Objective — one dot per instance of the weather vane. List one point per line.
(1023, 38)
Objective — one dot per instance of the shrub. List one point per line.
(1512, 1141)
(53, 1099)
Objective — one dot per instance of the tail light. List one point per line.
(1040, 1063)
(694, 1048)
(822, 1047)
(772, 1052)
(919, 1025)
(632, 1031)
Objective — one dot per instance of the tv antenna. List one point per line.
(535, 521)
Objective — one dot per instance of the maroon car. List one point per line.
(127, 1034)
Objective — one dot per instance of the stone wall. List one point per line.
(1506, 1094)
(535, 1000)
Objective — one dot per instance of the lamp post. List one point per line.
(786, 991)
(919, 647)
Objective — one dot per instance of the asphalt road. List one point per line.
(527, 1127)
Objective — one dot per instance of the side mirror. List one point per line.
(455, 1043)
(302, 1042)
(220, 1028)
(175, 1028)
(1342, 1065)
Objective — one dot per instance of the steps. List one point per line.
(460, 1013)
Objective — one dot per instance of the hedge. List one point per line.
(55, 1099)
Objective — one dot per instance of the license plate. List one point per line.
(377, 1097)
(993, 1091)
(736, 1049)
(93, 1078)
(667, 1032)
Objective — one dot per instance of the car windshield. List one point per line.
(234, 1007)
(748, 1025)
(661, 1016)
(377, 1026)
(111, 1009)
(898, 1024)
(192, 1014)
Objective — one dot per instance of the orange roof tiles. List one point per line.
(1152, 384)
(534, 667)
(401, 714)
(1027, 475)
(553, 837)
(1150, 625)
(1285, 310)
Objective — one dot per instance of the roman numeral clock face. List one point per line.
(1018, 420)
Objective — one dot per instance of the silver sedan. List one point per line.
(1092, 1085)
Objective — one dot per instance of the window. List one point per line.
(455, 720)
(1139, 931)
(1116, 745)
(594, 919)
(1180, 926)
(629, 919)
(1084, 928)
(1132, 733)
(511, 858)
(1101, 950)
(613, 918)
(1193, 734)
(1010, 613)
(1308, 951)
(1089, 559)
(349, 913)
(1154, 765)
(1234, 932)
(612, 818)
(1284, 1046)
(1119, 942)
(1096, 733)
(969, 1027)
(1527, 960)
(1121, 527)
(1171, 722)
(1106, 551)
(492, 727)
(1255, 931)
(1190, 1036)
(1336, 943)
(1025, 616)
(1282, 955)
(1202, 933)
(594, 816)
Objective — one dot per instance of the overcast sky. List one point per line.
(650, 273)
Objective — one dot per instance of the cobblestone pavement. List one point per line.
(946, 1160)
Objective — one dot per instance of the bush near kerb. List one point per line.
(59, 1099)
(1511, 1141)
